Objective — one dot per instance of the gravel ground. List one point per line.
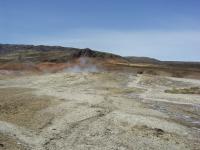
(111, 111)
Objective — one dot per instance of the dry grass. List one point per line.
(19, 106)
(191, 90)
(125, 90)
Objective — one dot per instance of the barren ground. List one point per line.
(105, 110)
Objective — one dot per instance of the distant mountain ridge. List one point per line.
(142, 59)
(42, 53)
(57, 58)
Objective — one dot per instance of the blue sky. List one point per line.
(163, 29)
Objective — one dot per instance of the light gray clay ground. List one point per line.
(98, 111)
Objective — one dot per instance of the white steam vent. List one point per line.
(84, 65)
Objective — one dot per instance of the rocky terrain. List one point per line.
(55, 98)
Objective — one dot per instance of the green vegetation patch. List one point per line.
(191, 90)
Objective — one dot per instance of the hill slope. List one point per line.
(56, 58)
(23, 53)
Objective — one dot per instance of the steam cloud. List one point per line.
(84, 65)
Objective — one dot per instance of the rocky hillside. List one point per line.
(58, 54)
(56, 58)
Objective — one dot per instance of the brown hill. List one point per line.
(56, 58)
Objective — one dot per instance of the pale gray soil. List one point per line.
(98, 111)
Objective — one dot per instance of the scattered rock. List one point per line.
(158, 131)
(140, 72)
